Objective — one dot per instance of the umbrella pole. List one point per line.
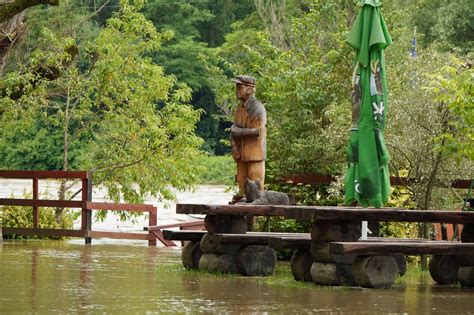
(364, 231)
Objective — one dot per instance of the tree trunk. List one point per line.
(11, 24)
(11, 32)
(62, 188)
(10, 8)
(426, 227)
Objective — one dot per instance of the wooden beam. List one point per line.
(332, 213)
(400, 248)
(119, 207)
(119, 235)
(35, 208)
(395, 181)
(230, 209)
(182, 235)
(159, 236)
(43, 232)
(45, 174)
(42, 203)
(383, 214)
(174, 225)
(305, 241)
(258, 238)
(194, 236)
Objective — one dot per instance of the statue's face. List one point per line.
(243, 91)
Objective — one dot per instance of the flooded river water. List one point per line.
(60, 277)
(123, 277)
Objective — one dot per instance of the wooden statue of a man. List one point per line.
(248, 134)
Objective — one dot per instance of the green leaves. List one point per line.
(305, 90)
(453, 87)
(113, 111)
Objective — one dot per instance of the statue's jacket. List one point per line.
(252, 114)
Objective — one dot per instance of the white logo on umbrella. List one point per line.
(357, 187)
(378, 110)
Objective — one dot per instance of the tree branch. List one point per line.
(91, 15)
(9, 9)
(42, 72)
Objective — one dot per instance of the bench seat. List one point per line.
(397, 247)
(249, 238)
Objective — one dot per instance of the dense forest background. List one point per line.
(139, 92)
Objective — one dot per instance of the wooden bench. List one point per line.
(249, 238)
(397, 247)
(334, 245)
(247, 254)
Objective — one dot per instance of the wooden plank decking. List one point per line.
(332, 213)
(401, 248)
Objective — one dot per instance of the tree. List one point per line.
(305, 88)
(453, 87)
(11, 24)
(198, 27)
(136, 130)
(449, 23)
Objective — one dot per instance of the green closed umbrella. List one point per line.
(367, 180)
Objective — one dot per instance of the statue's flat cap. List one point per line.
(244, 79)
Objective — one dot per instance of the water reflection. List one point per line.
(85, 275)
(34, 263)
(48, 276)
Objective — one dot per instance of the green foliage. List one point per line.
(399, 229)
(22, 217)
(421, 122)
(312, 195)
(448, 22)
(305, 89)
(133, 123)
(196, 27)
(453, 87)
(219, 170)
(280, 224)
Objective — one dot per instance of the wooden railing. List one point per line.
(85, 204)
(157, 230)
(396, 181)
(152, 220)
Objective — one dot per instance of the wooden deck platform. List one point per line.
(332, 213)
(396, 247)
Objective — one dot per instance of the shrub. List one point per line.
(22, 216)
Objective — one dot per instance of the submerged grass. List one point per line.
(282, 276)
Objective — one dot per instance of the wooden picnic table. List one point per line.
(333, 254)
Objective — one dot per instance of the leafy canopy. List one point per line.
(135, 128)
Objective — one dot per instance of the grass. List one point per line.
(282, 276)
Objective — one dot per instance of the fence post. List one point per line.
(152, 220)
(35, 198)
(86, 214)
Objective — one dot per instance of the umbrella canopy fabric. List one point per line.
(367, 180)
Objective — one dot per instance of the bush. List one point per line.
(22, 216)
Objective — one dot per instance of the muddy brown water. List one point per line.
(63, 277)
(127, 277)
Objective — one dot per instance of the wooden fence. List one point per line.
(85, 204)
(396, 181)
